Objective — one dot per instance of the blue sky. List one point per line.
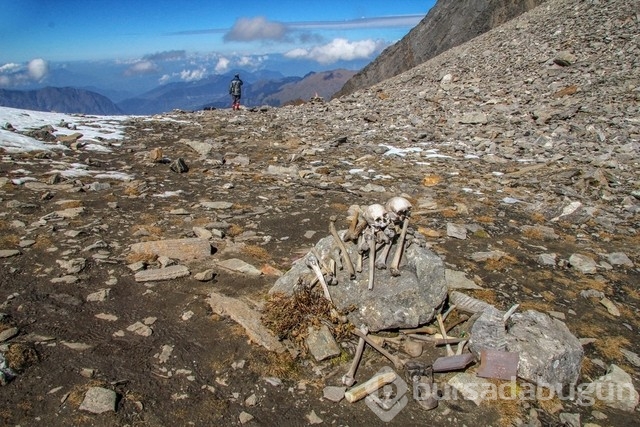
(203, 36)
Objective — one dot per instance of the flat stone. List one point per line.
(583, 263)
(610, 306)
(181, 249)
(159, 274)
(334, 393)
(470, 386)
(244, 417)
(9, 333)
(457, 231)
(141, 329)
(239, 266)
(249, 319)
(321, 343)
(620, 258)
(98, 400)
(8, 253)
(217, 205)
(458, 280)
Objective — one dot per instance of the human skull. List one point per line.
(398, 208)
(376, 216)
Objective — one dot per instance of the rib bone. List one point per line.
(343, 249)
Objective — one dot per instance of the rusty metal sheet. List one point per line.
(501, 365)
(452, 363)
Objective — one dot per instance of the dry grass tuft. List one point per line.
(500, 264)
(538, 218)
(150, 229)
(20, 356)
(145, 257)
(9, 240)
(69, 204)
(282, 366)
(609, 347)
(550, 402)
(509, 409)
(289, 317)
(234, 230)
(487, 295)
(537, 305)
(485, 219)
(533, 233)
(589, 369)
(449, 213)
(257, 252)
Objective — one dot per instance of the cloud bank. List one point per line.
(338, 50)
(12, 74)
(259, 28)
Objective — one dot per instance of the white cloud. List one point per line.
(12, 74)
(222, 65)
(142, 67)
(10, 68)
(250, 29)
(193, 75)
(38, 69)
(337, 50)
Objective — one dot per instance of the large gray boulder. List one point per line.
(549, 354)
(405, 301)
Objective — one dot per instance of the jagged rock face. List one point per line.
(448, 24)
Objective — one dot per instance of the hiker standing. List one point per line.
(235, 90)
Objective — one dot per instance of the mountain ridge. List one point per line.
(62, 100)
(448, 24)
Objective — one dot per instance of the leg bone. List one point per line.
(396, 258)
(349, 378)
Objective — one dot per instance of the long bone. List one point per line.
(349, 378)
(397, 362)
(312, 262)
(345, 255)
(398, 209)
(386, 236)
(363, 246)
(372, 258)
(395, 264)
(376, 217)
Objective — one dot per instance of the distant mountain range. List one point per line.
(262, 88)
(59, 99)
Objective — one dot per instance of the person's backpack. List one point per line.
(235, 87)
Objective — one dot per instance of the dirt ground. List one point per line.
(213, 368)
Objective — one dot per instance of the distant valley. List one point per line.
(261, 88)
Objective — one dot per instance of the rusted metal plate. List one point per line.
(452, 363)
(501, 365)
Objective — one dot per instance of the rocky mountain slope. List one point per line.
(449, 23)
(64, 100)
(519, 152)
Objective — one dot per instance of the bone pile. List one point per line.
(374, 229)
